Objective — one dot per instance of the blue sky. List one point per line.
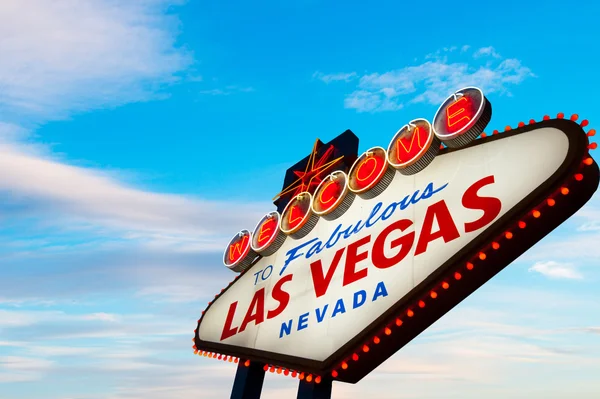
(137, 137)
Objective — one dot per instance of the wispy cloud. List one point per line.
(227, 91)
(64, 56)
(73, 234)
(432, 81)
(486, 52)
(593, 330)
(586, 330)
(81, 276)
(335, 77)
(141, 344)
(21, 318)
(589, 217)
(441, 52)
(593, 225)
(575, 240)
(22, 369)
(556, 270)
(472, 352)
(65, 192)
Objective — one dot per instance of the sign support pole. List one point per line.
(310, 390)
(248, 381)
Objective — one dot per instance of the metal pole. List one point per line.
(248, 381)
(311, 390)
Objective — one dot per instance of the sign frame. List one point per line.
(518, 221)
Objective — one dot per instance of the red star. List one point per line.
(312, 175)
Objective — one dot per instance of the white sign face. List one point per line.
(315, 294)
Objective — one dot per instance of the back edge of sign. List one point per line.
(495, 261)
(363, 363)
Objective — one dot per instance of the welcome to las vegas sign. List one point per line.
(368, 251)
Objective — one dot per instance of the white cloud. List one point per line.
(590, 215)
(576, 239)
(81, 195)
(474, 351)
(91, 66)
(11, 132)
(432, 81)
(365, 100)
(40, 328)
(440, 53)
(63, 351)
(100, 316)
(486, 52)
(21, 369)
(227, 91)
(67, 55)
(197, 289)
(24, 318)
(77, 276)
(590, 226)
(334, 77)
(556, 270)
(567, 247)
(593, 330)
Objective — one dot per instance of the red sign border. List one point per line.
(581, 180)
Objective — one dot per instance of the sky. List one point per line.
(136, 137)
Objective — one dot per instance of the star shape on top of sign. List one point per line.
(307, 174)
(316, 167)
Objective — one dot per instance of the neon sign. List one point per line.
(332, 197)
(267, 237)
(298, 219)
(370, 174)
(413, 147)
(459, 113)
(307, 174)
(358, 264)
(462, 117)
(239, 254)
